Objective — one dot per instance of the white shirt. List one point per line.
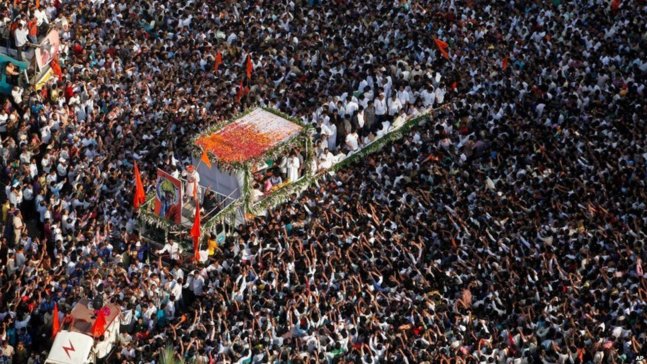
(21, 36)
(41, 17)
(394, 106)
(172, 248)
(352, 107)
(351, 141)
(380, 107)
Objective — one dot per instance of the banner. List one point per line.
(43, 80)
(47, 49)
(168, 197)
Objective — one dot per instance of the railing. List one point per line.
(221, 200)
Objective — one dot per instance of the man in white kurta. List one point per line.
(192, 182)
(293, 166)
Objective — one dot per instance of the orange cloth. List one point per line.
(442, 47)
(33, 28)
(140, 196)
(56, 326)
(205, 159)
(195, 232)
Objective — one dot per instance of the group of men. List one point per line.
(507, 227)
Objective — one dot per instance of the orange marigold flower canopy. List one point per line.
(249, 137)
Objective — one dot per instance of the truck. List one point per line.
(76, 343)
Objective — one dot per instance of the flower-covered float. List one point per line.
(248, 165)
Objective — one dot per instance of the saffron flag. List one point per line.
(195, 232)
(56, 326)
(239, 94)
(615, 5)
(205, 159)
(37, 4)
(218, 61)
(56, 68)
(249, 67)
(504, 63)
(442, 47)
(140, 196)
(99, 325)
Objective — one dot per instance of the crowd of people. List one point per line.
(509, 227)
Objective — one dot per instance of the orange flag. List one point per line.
(195, 232)
(56, 68)
(218, 61)
(615, 5)
(249, 67)
(239, 94)
(504, 63)
(37, 4)
(99, 325)
(56, 326)
(442, 47)
(140, 196)
(205, 159)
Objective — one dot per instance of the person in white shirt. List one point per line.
(42, 20)
(440, 95)
(403, 96)
(172, 248)
(325, 159)
(394, 106)
(352, 141)
(16, 94)
(21, 38)
(192, 183)
(399, 120)
(428, 98)
(351, 107)
(380, 109)
(329, 129)
(293, 165)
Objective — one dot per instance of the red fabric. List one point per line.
(615, 5)
(140, 195)
(442, 47)
(56, 68)
(77, 49)
(56, 326)
(195, 232)
(454, 85)
(218, 61)
(69, 92)
(504, 63)
(239, 94)
(205, 159)
(33, 28)
(99, 325)
(249, 68)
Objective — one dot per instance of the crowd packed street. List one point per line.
(508, 227)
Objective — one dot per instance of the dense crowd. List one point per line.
(507, 228)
